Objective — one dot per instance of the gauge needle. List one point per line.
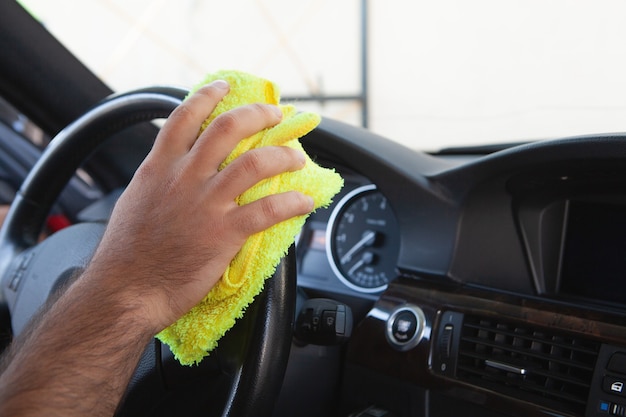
(367, 239)
(366, 259)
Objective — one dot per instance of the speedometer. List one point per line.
(363, 240)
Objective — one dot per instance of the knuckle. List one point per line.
(270, 209)
(183, 113)
(208, 91)
(225, 123)
(266, 112)
(260, 108)
(148, 170)
(252, 163)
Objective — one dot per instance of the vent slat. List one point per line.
(558, 367)
(555, 374)
(501, 381)
(530, 353)
(536, 338)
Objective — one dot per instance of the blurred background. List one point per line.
(429, 74)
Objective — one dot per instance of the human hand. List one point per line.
(177, 226)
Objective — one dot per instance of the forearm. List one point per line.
(170, 237)
(77, 359)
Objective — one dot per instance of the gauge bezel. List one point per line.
(349, 197)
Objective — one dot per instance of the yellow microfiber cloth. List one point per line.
(197, 333)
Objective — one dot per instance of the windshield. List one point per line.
(429, 74)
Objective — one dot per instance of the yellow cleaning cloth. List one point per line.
(197, 333)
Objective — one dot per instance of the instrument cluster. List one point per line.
(353, 246)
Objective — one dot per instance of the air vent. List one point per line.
(532, 364)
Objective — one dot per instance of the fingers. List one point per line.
(180, 131)
(255, 166)
(227, 130)
(179, 135)
(200, 157)
(261, 214)
(251, 168)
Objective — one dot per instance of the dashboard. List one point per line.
(483, 284)
(479, 283)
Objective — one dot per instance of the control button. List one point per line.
(328, 321)
(604, 406)
(323, 322)
(340, 320)
(617, 363)
(614, 385)
(19, 272)
(445, 342)
(405, 327)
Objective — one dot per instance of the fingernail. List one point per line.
(311, 202)
(221, 84)
(301, 157)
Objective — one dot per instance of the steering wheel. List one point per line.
(242, 377)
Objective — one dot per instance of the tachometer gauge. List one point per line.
(362, 240)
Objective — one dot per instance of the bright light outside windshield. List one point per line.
(440, 73)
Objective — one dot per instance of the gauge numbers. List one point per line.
(363, 240)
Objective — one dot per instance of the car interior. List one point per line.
(476, 281)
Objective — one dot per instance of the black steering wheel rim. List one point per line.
(255, 374)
